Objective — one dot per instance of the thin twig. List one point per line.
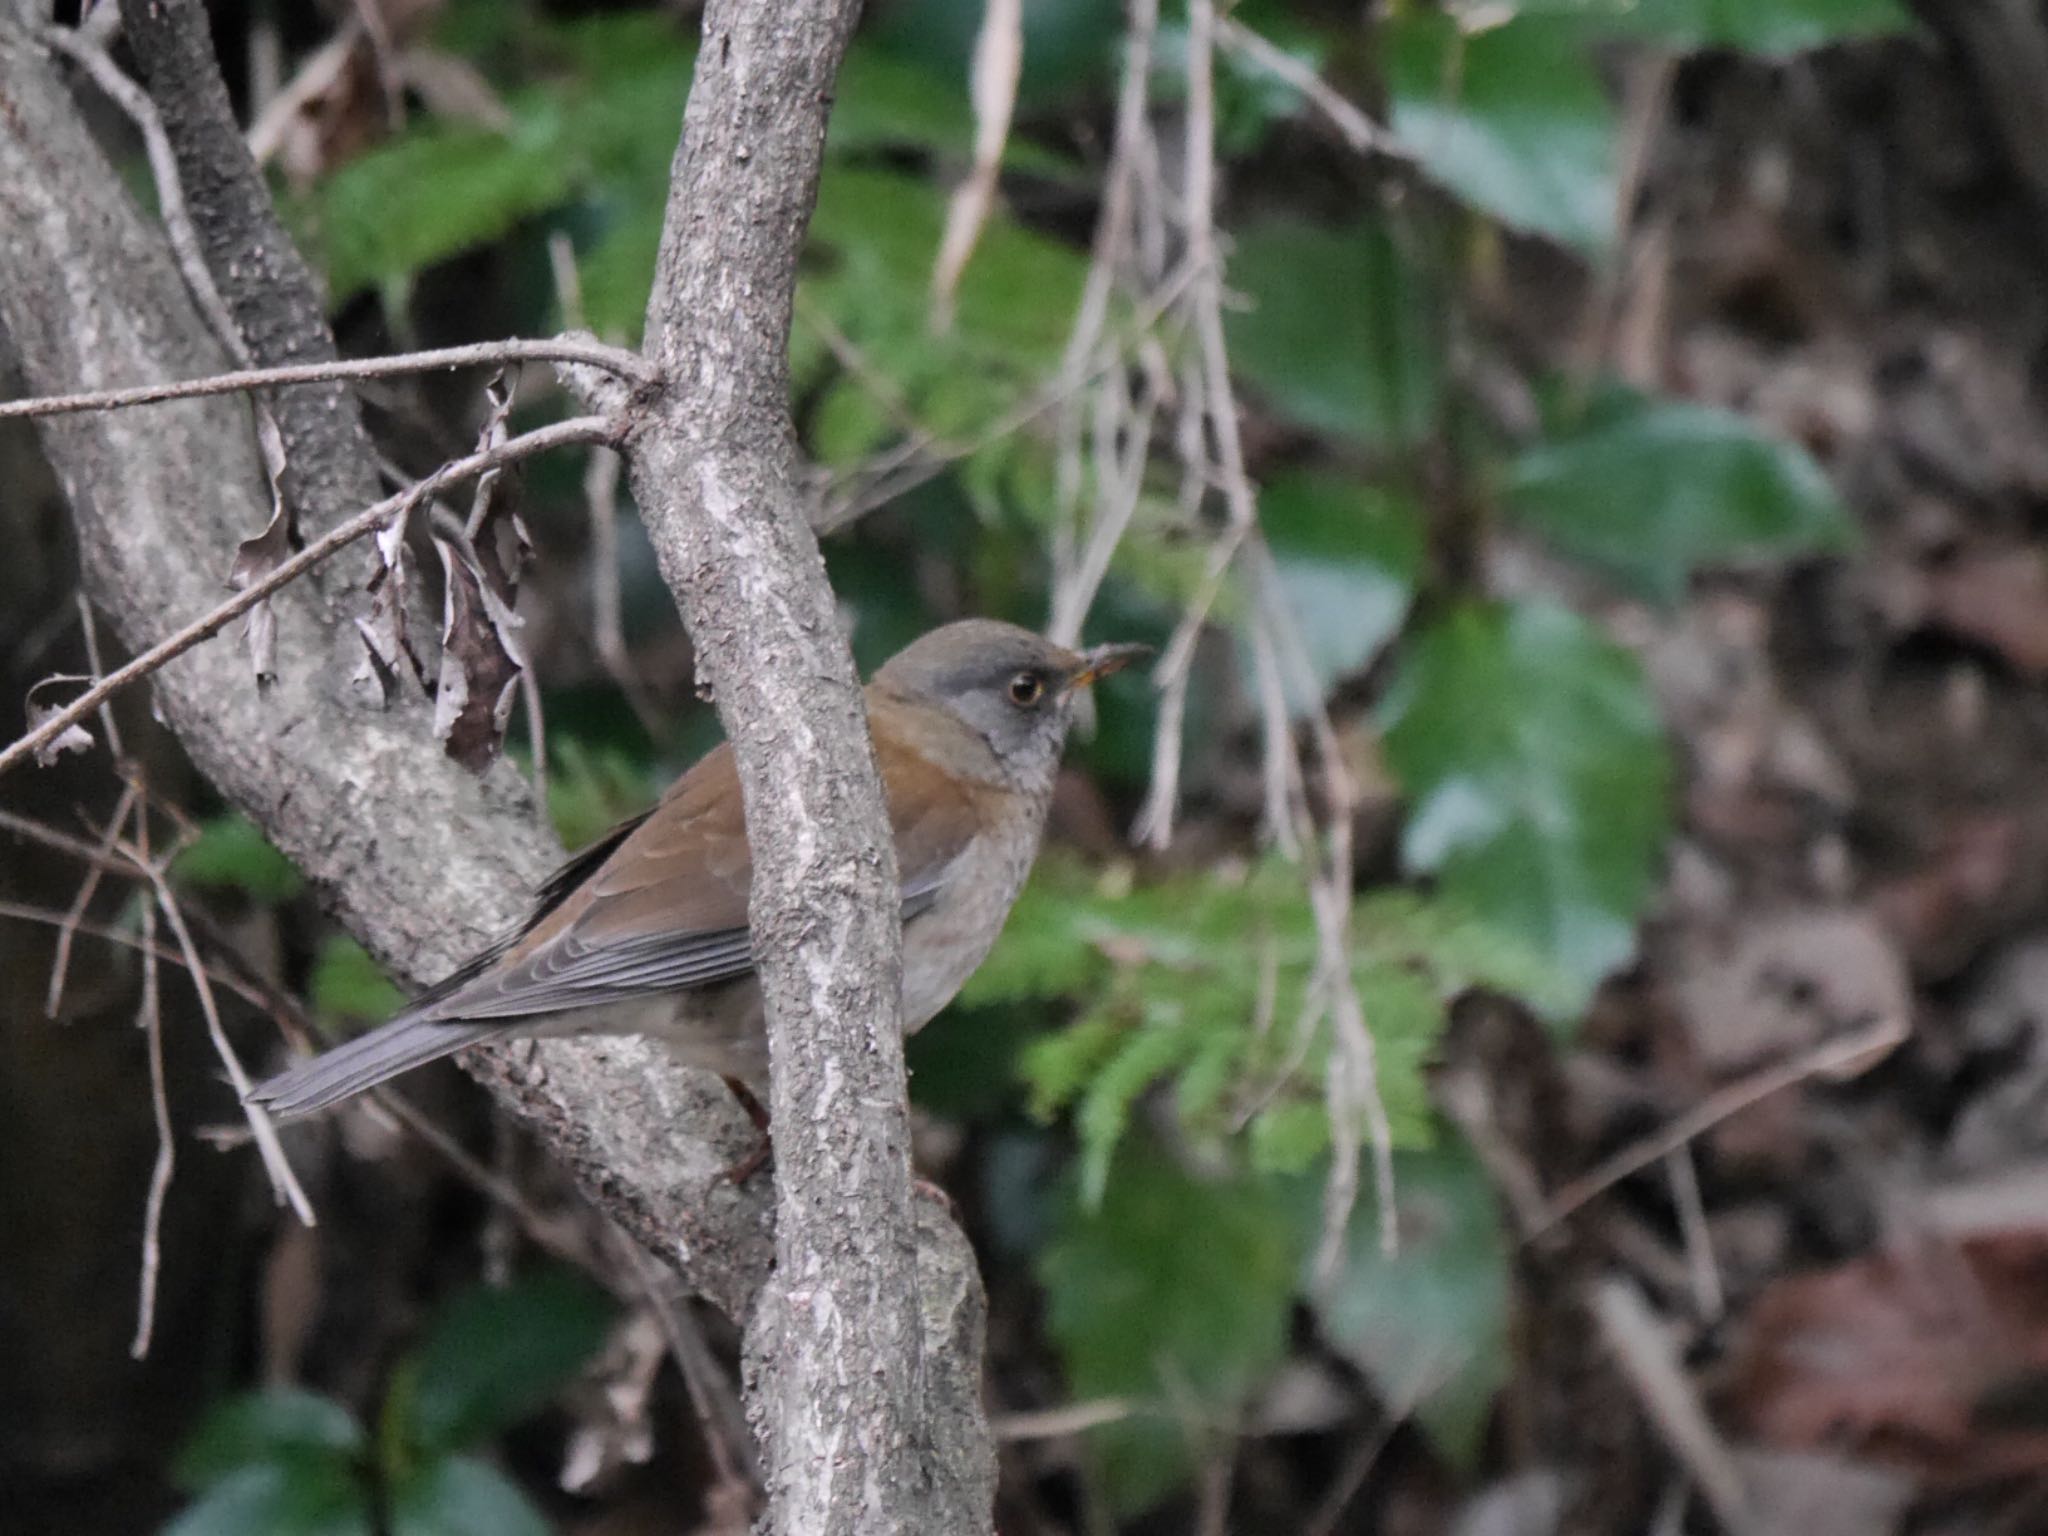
(718, 1410)
(1644, 1352)
(283, 1180)
(1830, 1056)
(591, 354)
(149, 1017)
(91, 632)
(50, 917)
(1058, 1423)
(60, 961)
(1707, 1293)
(1356, 129)
(578, 429)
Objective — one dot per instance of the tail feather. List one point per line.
(362, 1063)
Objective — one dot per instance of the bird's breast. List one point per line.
(946, 943)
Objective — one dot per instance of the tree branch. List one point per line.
(484, 354)
(869, 1422)
(419, 859)
(864, 1359)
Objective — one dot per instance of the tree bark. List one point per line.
(836, 1358)
(865, 1354)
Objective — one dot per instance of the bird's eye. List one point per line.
(1026, 689)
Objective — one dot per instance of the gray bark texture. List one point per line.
(839, 1376)
(864, 1345)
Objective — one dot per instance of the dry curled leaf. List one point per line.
(73, 738)
(480, 662)
(256, 558)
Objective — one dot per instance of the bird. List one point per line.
(645, 931)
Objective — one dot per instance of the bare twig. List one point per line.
(589, 354)
(149, 1018)
(1834, 1055)
(998, 61)
(711, 1394)
(1068, 1419)
(578, 429)
(60, 962)
(1353, 126)
(283, 1180)
(1645, 1355)
(1707, 1293)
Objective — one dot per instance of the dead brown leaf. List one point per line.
(1914, 1356)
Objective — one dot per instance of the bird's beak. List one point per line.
(1103, 660)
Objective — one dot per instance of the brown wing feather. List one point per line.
(667, 905)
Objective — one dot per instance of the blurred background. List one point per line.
(1590, 490)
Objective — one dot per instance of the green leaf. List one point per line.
(437, 191)
(1176, 1293)
(497, 1355)
(284, 1426)
(1538, 777)
(461, 1496)
(280, 1499)
(1650, 491)
(1199, 980)
(1427, 1326)
(1336, 331)
(1347, 556)
(348, 987)
(1777, 27)
(231, 852)
(1512, 118)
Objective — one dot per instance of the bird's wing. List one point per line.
(661, 904)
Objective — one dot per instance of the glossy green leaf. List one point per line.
(273, 1428)
(1335, 331)
(1513, 118)
(497, 1355)
(1347, 556)
(1427, 1326)
(231, 852)
(1538, 777)
(1650, 491)
(280, 1499)
(461, 1496)
(1175, 1293)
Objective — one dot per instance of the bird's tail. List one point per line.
(364, 1062)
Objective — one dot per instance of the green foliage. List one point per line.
(231, 853)
(348, 987)
(1538, 777)
(1778, 27)
(1347, 555)
(1175, 1293)
(291, 1463)
(1513, 118)
(1427, 1325)
(1651, 490)
(495, 1356)
(461, 1496)
(1202, 980)
(1335, 331)
(593, 789)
